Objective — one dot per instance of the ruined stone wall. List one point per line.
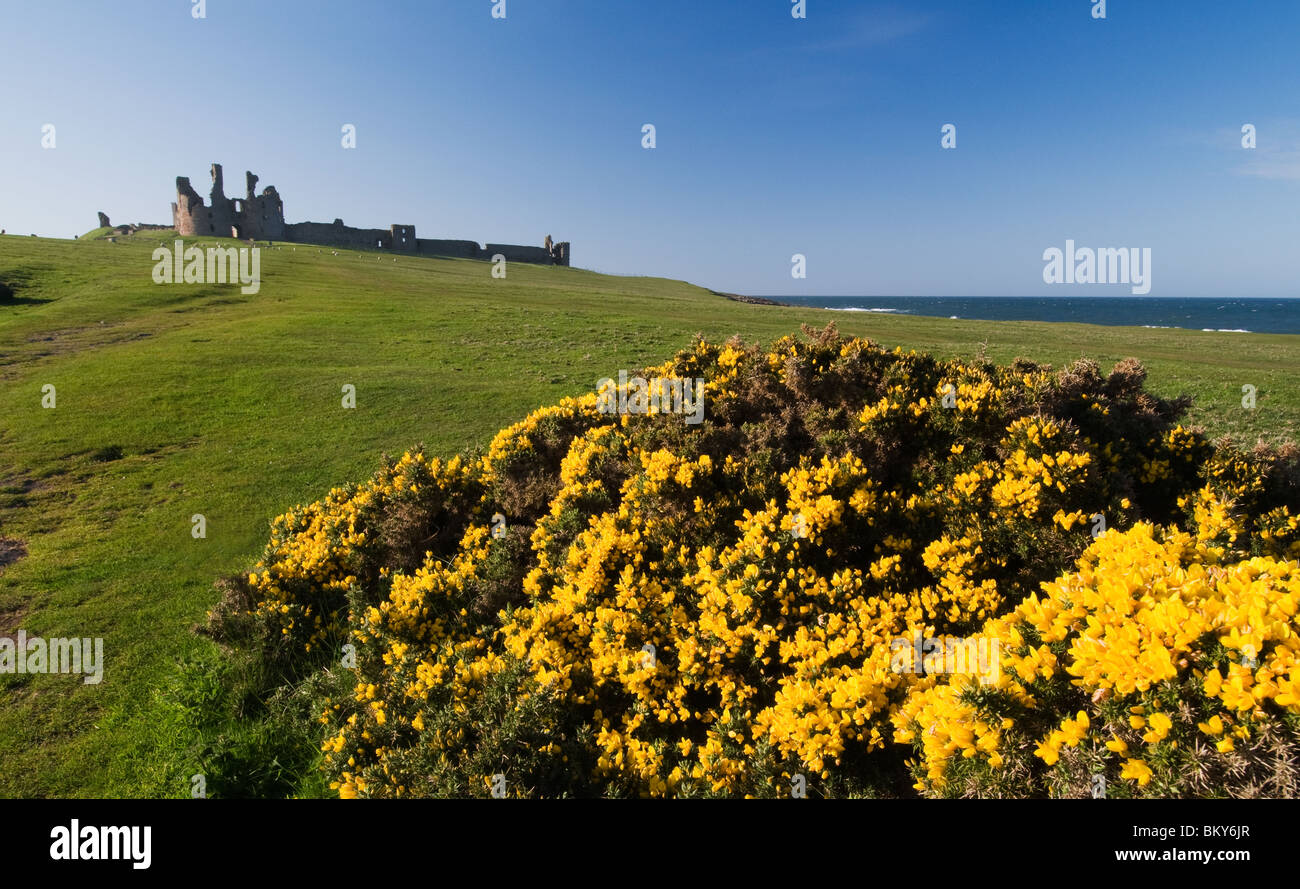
(458, 249)
(339, 235)
(261, 217)
(193, 217)
(516, 253)
(402, 237)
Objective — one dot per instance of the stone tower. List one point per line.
(255, 216)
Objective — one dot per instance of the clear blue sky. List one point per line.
(775, 135)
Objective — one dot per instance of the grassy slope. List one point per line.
(229, 405)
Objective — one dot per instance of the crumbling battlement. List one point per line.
(261, 217)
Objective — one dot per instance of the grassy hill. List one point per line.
(197, 399)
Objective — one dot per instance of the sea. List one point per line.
(1245, 316)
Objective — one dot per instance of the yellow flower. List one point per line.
(1212, 726)
(1049, 749)
(1136, 769)
(1160, 725)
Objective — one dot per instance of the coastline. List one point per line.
(1236, 315)
(751, 300)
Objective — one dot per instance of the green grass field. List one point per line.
(197, 399)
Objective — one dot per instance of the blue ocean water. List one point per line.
(1208, 313)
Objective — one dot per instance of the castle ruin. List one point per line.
(261, 217)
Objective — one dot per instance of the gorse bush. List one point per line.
(1160, 667)
(671, 609)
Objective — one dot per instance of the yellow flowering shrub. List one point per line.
(630, 605)
(296, 599)
(1179, 658)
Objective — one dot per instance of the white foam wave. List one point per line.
(861, 309)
